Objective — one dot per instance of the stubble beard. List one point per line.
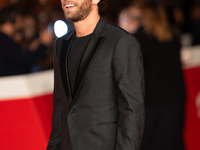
(83, 11)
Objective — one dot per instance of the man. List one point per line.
(98, 89)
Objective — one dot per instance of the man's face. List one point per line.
(76, 10)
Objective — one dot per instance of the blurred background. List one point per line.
(169, 34)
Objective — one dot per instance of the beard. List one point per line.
(83, 10)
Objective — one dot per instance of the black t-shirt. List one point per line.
(76, 52)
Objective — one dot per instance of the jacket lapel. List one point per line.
(64, 68)
(89, 54)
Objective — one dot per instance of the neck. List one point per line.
(86, 26)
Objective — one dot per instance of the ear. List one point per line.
(95, 2)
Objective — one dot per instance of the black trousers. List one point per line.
(164, 128)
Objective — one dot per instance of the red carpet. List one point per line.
(25, 123)
(192, 121)
(25, 111)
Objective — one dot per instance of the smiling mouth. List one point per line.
(69, 5)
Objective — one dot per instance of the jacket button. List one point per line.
(72, 110)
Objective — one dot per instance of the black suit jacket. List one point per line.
(107, 112)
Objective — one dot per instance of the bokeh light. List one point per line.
(60, 28)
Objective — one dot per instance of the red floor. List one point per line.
(25, 124)
(192, 121)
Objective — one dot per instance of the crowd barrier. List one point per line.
(25, 111)
(26, 107)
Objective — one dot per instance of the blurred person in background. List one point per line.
(176, 19)
(130, 17)
(194, 27)
(30, 38)
(13, 59)
(164, 83)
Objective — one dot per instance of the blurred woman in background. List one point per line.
(129, 17)
(165, 92)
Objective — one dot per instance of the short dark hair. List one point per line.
(8, 13)
(102, 6)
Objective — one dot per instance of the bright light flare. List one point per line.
(60, 28)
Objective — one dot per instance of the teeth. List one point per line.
(69, 5)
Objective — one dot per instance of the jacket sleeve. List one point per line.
(129, 78)
(55, 139)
